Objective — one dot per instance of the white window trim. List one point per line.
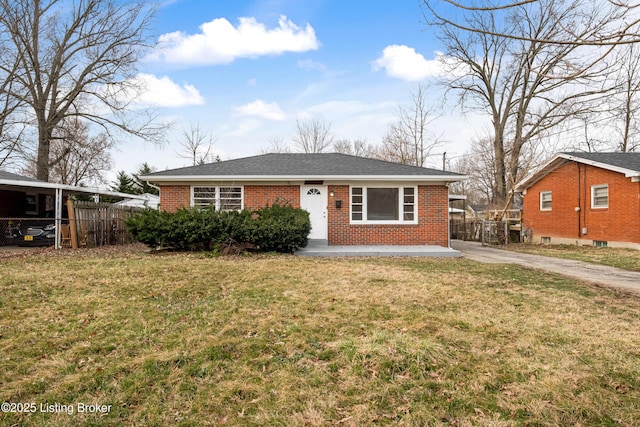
(217, 196)
(542, 200)
(401, 221)
(593, 194)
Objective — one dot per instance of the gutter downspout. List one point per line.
(579, 209)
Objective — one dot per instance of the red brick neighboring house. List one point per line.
(351, 200)
(585, 199)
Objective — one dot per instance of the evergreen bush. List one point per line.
(274, 228)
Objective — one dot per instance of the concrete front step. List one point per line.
(321, 248)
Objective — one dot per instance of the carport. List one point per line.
(12, 183)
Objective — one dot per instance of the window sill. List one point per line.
(383, 223)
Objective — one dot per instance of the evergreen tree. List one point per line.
(124, 184)
(142, 186)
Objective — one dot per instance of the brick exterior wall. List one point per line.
(258, 196)
(432, 227)
(174, 197)
(570, 185)
(432, 210)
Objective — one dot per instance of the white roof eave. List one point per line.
(258, 178)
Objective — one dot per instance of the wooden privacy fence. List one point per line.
(98, 224)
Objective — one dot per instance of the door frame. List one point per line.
(323, 214)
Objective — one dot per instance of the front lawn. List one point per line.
(186, 339)
(627, 259)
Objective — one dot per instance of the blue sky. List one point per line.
(247, 70)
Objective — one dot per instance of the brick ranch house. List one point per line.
(584, 199)
(351, 200)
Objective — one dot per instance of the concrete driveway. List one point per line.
(594, 273)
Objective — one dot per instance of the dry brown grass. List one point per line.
(181, 339)
(627, 259)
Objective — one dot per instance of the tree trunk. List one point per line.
(500, 191)
(42, 162)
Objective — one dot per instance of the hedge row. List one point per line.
(273, 228)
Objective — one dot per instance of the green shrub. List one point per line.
(279, 228)
(272, 228)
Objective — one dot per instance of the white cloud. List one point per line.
(163, 92)
(243, 129)
(261, 109)
(311, 65)
(405, 63)
(219, 42)
(350, 107)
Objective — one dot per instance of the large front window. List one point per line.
(383, 205)
(222, 198)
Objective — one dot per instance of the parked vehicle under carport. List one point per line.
(36, 235)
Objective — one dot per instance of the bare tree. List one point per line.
(313, 136)
(478, 163)
(10, 130)
(357, 147)
(626, 113)
(79, 157)
(598, 23)
(275, 145)
(76, 59)
(197, 145)
(527, 87)
(409, 139)
(83, 158)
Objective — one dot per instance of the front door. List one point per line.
(313, 199)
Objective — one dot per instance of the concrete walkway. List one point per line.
(594, 273)
(322, 249)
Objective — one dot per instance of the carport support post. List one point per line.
(58, 217)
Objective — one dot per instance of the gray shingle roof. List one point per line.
(300, 164)
(15, 177)
(629, 161)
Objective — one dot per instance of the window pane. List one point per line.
(601, 196)
(230, 198)
(356, 204)
(408, 216)
(204, 192)
(382, 204)
(545, 200)
(204, 196)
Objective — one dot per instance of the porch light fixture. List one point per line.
(338, 204)
(331, 193)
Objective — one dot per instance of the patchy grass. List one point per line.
(627, 259)
(184, 339)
